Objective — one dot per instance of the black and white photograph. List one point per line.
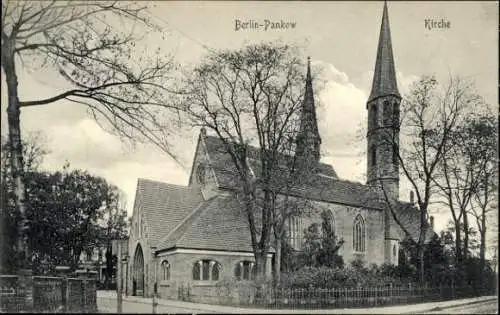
(252, 157)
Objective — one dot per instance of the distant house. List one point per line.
(94, 261)
(197, 234)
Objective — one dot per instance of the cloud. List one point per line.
(341, 112)
(86, 146)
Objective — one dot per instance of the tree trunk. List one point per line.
(458, 244)
(482, 245)
(466, 237)
(277, 263)
(421, 264)
(260, 264)
(16, 156)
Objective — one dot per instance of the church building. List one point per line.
(197, 234)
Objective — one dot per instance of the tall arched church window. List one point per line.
(245, 270)
(387, 113)
(165, 270)
(395, 155)
(206, 270)
(328, 224)
(358, 234)
(373, 156)
(374, 114)
(395, 114)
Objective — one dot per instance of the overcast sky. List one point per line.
(341, 37)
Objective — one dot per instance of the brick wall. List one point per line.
(181, 265)
(50, 294)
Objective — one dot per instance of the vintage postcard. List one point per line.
(249, 157)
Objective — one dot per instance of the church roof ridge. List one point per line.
(142, 179)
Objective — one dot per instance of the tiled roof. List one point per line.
(324, 185)
(222, 162)
(409, 215)
(340, 191)
(165, 205)
(219, 224)
(177, 216)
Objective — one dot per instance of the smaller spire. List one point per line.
(308, 139)
(309, 94)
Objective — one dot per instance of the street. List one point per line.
(107, 304)
(486, 307)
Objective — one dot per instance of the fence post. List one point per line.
(25, 286)
(155, 301)
(390, 293)
(119, 302)
(453, 289)
(84, 283)
(64, 288)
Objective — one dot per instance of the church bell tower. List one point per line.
(383, 118)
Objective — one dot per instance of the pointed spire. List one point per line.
(308, 103)
(308, 139)
(384, 77)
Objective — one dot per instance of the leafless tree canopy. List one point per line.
(252, 97)
(92, 45)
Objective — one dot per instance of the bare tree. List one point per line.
(84, 42)
(459, 171)
(429, 115)
(479, 138)
(251, 98)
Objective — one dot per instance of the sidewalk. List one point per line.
(209, 308)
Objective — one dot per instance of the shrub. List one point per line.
(351, 277)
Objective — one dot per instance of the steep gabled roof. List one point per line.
(323, 185)
(340, 191)
(409, 215)
(165, 205)
(224, 166)
(219, 224)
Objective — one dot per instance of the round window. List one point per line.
(200, 174)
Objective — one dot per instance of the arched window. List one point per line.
(245, 270)
(387, 113)
(374, 156)
(88, 255)
(395, 115)
(394, 252)
(206, 270)
(327, 224)
(359, 234)
(395, 155)
(165, 270)
(374, 114)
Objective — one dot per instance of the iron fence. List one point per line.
(317, 298)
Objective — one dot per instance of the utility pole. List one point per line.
(155, 287)
(119, 301)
